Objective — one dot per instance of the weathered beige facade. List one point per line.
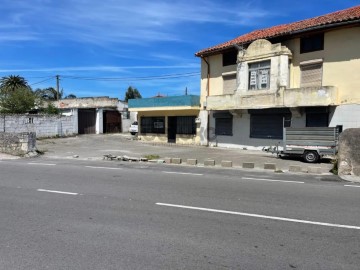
(340, 59)
(305, 73)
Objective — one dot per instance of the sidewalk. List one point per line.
(4, 156)
(94, 147)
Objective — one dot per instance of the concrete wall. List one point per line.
(17, 143)
(349, 155)
(86, 103)
(43, 125)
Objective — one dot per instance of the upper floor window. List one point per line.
(259, 75)
(312, 43)
(229, 58)
(229, 84)
(311, 74)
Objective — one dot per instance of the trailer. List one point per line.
(310, 143)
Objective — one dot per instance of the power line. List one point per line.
(48, 79)
(157, 77)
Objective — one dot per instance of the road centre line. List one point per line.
(56, 191)
(261, 216)
(45, 164)
(108, 168)
(182, 173)
(272, 180)
(351, 186)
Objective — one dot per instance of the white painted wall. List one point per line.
(346, 115)
(99, 124)
(203, 115)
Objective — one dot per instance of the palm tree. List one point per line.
(12, 83)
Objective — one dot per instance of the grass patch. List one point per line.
(149, 157)
(334, 169)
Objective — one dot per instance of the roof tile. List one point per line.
(284, 29)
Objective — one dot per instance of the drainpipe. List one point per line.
(208, 75)
(207, 94)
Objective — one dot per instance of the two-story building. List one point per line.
(301, 74)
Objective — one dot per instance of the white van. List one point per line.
(134, 128)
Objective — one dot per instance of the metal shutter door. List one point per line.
(266, 126)
(311, 75)
(229, 84)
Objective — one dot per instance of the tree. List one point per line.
(49, 93)
(12, 83)
(50, 109)
(132, 93)
(19, 100)
(70, 96)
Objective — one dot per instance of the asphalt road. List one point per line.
(64, 214)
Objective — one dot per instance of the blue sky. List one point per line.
(148, 44)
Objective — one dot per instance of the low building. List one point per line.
(173, 119)
(301, 74)
(96, 115)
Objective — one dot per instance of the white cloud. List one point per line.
(100, 68)
(113, 21)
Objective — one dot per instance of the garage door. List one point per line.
(112, 122)
(268, 123)
(86, 121)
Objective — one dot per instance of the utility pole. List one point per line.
(57, 86)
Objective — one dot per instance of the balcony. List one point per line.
(310, 96)
(292, 97)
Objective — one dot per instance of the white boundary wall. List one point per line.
(43, 125)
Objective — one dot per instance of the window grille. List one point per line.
(259, 75)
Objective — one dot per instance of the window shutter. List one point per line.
(311, 75)
(229, 86)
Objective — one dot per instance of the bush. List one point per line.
(334, 169)
(50, 109)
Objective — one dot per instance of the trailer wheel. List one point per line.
(311, 156)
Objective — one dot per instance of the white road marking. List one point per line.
(108, 168)
(350, 186)
(183, 173)
(45, 164)
(56, 191)
(272, 180)
(262, 216)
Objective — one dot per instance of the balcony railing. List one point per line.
(292, 97)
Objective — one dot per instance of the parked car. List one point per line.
(134, 128)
